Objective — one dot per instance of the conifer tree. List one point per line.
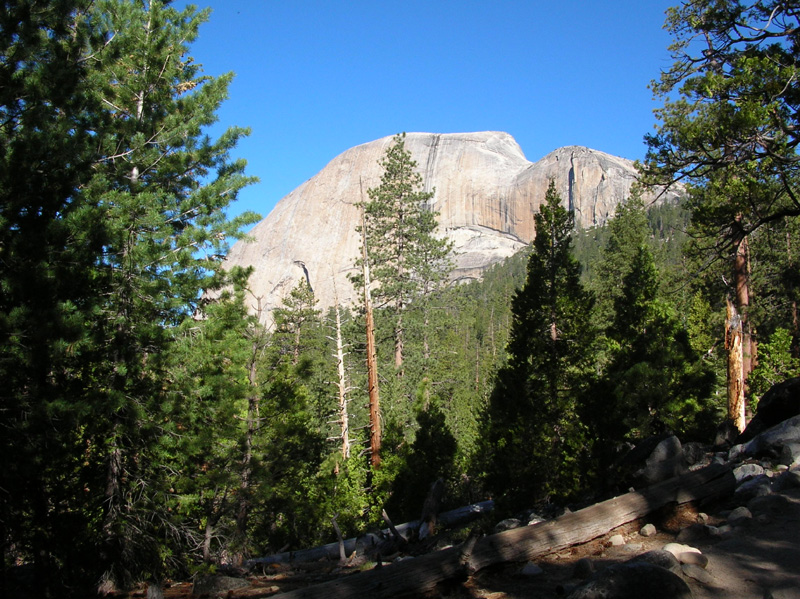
(162, 187)
(112, 223)
(628, 233)
(50, 238)
(535, 439)
(207, 405)
(655, 381)
(408, 260)
(728, 127)
(297, 314)
(652, 379)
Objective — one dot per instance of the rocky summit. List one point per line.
(486, 193)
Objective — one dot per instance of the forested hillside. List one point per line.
(154, 430)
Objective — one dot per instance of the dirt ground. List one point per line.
(760, 555)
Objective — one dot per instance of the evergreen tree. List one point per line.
(735, 74)
(776, 281)
(406, 258)
(655, 381)
(535, 440)
(627, 233)
(297, 314)
(776, 363)
(206, 406)
(728, 127)
(652, 379)
(163, 188)
(50, 238)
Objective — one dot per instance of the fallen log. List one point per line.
(415, 577)
(456, 517)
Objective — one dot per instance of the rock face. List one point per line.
(486, 192)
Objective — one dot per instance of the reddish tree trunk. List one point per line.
(372, 360)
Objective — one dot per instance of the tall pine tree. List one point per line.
(160, 187)
(50, 237)
(406, 258)
(535, 440)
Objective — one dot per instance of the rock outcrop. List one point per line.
(486, 193)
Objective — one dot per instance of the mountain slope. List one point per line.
(486, 193)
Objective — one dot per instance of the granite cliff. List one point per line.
(487, 193)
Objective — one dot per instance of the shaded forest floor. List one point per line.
(758, 556)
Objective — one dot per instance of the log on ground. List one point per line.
(456, 517)
(415, 577)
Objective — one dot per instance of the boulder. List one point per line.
(790, 455)
(771, 505)
(746, 472)
(740, 515)
(217, 586)
(697, 573)
(666, 461)
(695, 453)
(678, 549)
(659, 557)
(583, 568)
(507, 524)
(754, 487)
(778, 404)
(653, 460)
(693, 533)
(633, 580)
(788, 480)
(772, 441)
(694, 559)
(726, 435)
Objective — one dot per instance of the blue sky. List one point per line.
(314, 78)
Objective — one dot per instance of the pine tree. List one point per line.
(776, 281)
(409, 260)
(50, 239)
(652, 379)
(535, 439)
(206, 407)
(162, 187)
(296, 314)
(776, 363)
(655, 381)
(728, 127)
(627, 234)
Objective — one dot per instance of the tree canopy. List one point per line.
(729, 123)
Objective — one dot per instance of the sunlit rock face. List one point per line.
(486, 193)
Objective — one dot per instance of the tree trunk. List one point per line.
(372, 358)
(741, 277)
(331, 551)
(430, 509)
(426, 348)
(243, 511)
(207, 537)
(245, 482)
(736, 373)
(398, 345)
(795, 348)
(344, 420)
